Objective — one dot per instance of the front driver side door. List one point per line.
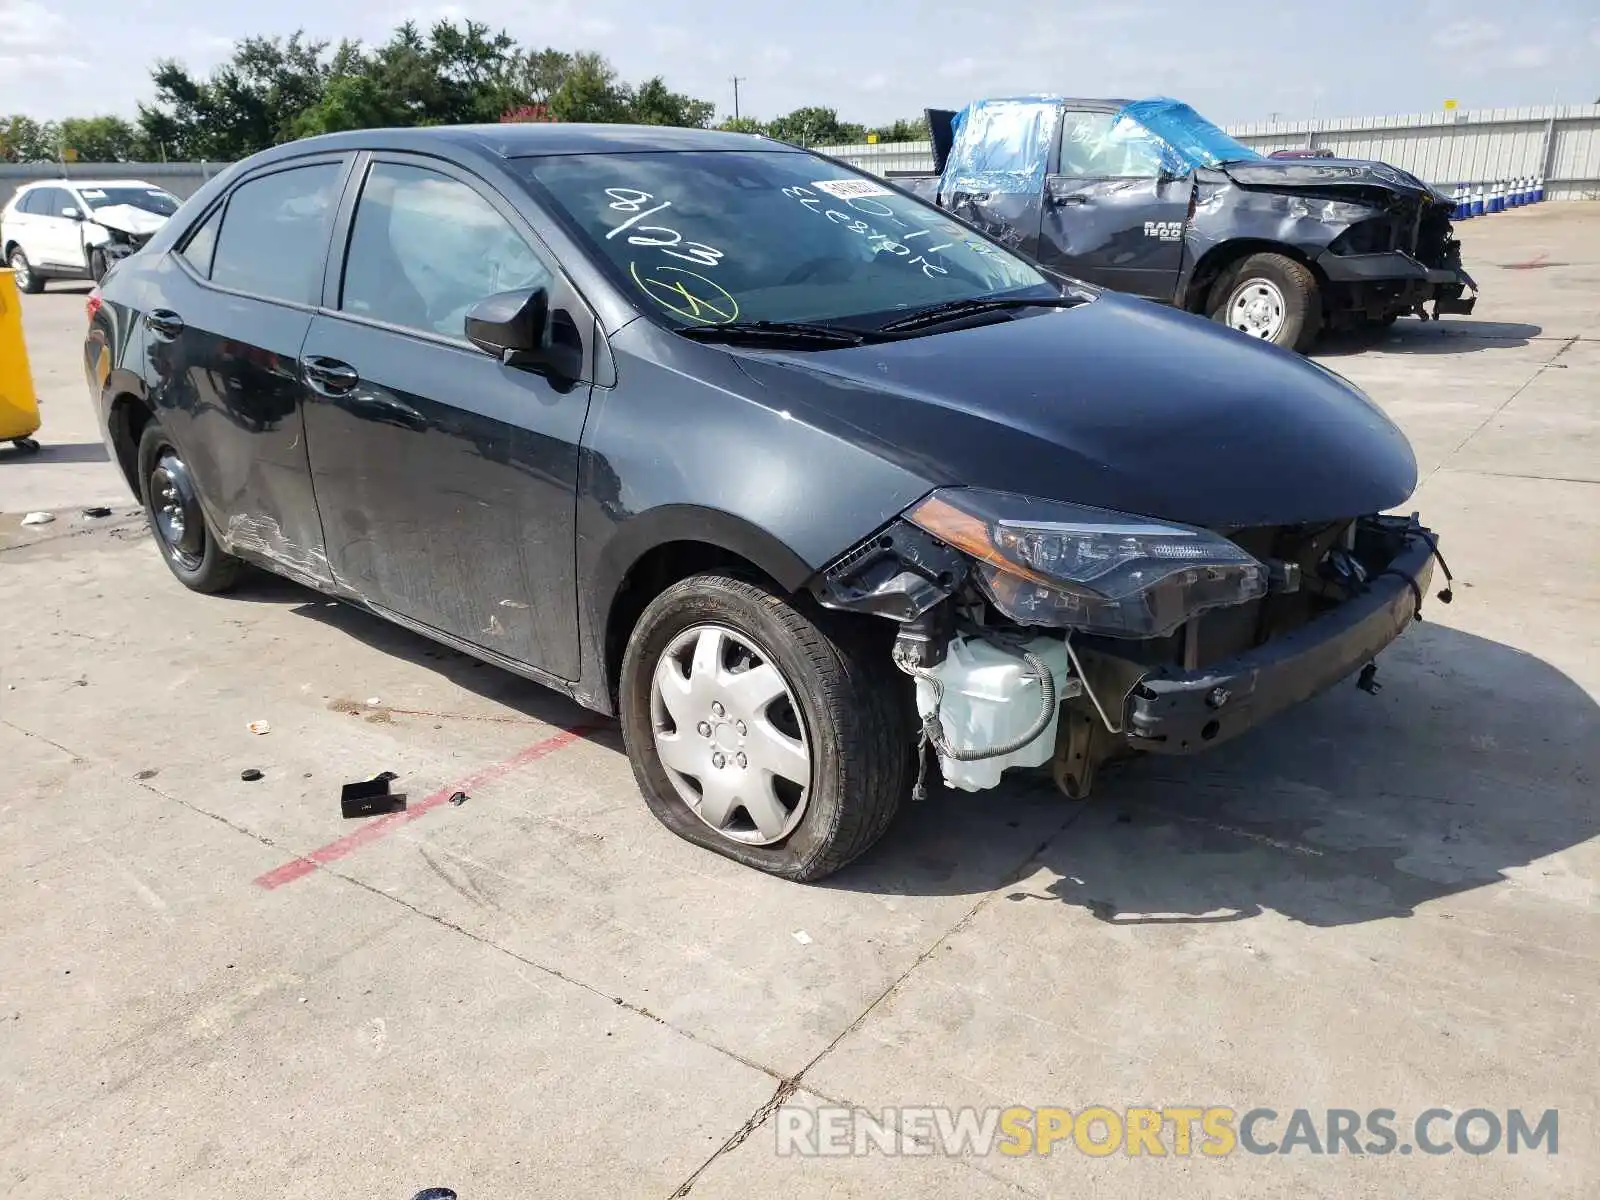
(447, 480)
(54, 238)
(1112, 216)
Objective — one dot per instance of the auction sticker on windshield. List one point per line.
(850, 189)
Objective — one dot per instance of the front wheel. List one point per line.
(172, 506)
(97, 264)
(760, 730)
(1271, 297)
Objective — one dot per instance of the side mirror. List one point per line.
(519, 329)
(71, 213)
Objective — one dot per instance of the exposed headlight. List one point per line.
(1043, 562)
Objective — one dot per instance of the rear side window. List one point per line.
(202, 243)
(32, 202)
(425, 248)
(274, 234)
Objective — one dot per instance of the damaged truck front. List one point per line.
(1148, 197)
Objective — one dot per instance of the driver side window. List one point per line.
(425, 248)
(1106, 146)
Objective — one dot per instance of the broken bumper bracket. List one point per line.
(1173, 712)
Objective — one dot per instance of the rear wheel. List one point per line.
(760, 730)
(22, 269)
(1271, 297)
(172, 506)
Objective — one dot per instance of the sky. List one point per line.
(875, 60)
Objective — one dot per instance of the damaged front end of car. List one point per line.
(1380, 239)
(1039, 632)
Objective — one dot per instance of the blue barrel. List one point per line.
(1477, 203)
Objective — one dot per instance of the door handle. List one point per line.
(1071, 198)
(329, 375)
(164, 321)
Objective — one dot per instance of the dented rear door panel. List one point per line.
(226, 386)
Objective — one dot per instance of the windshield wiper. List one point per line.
(796, 334)
(955, 310)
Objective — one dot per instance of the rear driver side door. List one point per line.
(446, 480)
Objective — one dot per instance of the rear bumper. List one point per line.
(1183, 712)
(1446, 287)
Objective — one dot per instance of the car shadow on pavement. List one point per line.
(1428, 337)
(532, 700)
(1474, 762)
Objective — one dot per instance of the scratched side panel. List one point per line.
(446, 484)
(227, 390)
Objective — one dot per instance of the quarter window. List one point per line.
(425, 248)
(274, 235)
(202, 243)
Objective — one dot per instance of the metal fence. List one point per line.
(181, 179)
(1560, 144)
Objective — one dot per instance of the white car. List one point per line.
(75, 229)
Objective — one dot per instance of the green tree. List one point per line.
(22, 139)
(814, 126)
(654, 103)
(741, 125)
(591, 91)
(905, 131)
(99, 139)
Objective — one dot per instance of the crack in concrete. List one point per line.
(1566, 345)
(787, 1087)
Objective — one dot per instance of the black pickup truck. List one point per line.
(1149, 197)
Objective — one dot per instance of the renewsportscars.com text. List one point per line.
(1177, 1131)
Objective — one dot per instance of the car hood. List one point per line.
(1290, 174)
(127, 219)
(1118, 403)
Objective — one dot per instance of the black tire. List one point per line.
(97, 264)
(31, 283)
(1288, 278)
(853, 705)
(199, 561)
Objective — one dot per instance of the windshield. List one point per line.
(1195, 140)
(710, 238)
(152, 200)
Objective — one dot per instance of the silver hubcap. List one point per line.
(730, 736)
(19, 266)
(1257, 308)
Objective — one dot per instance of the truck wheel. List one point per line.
(756, 733)
(1271, 297)
(172, 506)
(23, 271)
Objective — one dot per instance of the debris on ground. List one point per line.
(435, 1193)
(38, 518)
(147, 773)
(369, 797)
(801, 936)
(98, 510)
(259, 727)
(249, 774)
(459, 799)
(373, 701)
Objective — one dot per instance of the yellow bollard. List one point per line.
(19, 407)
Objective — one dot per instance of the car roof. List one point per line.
(1077, 102)
(518, 140)
(85, 183)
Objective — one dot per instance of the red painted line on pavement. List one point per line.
(384, 825)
